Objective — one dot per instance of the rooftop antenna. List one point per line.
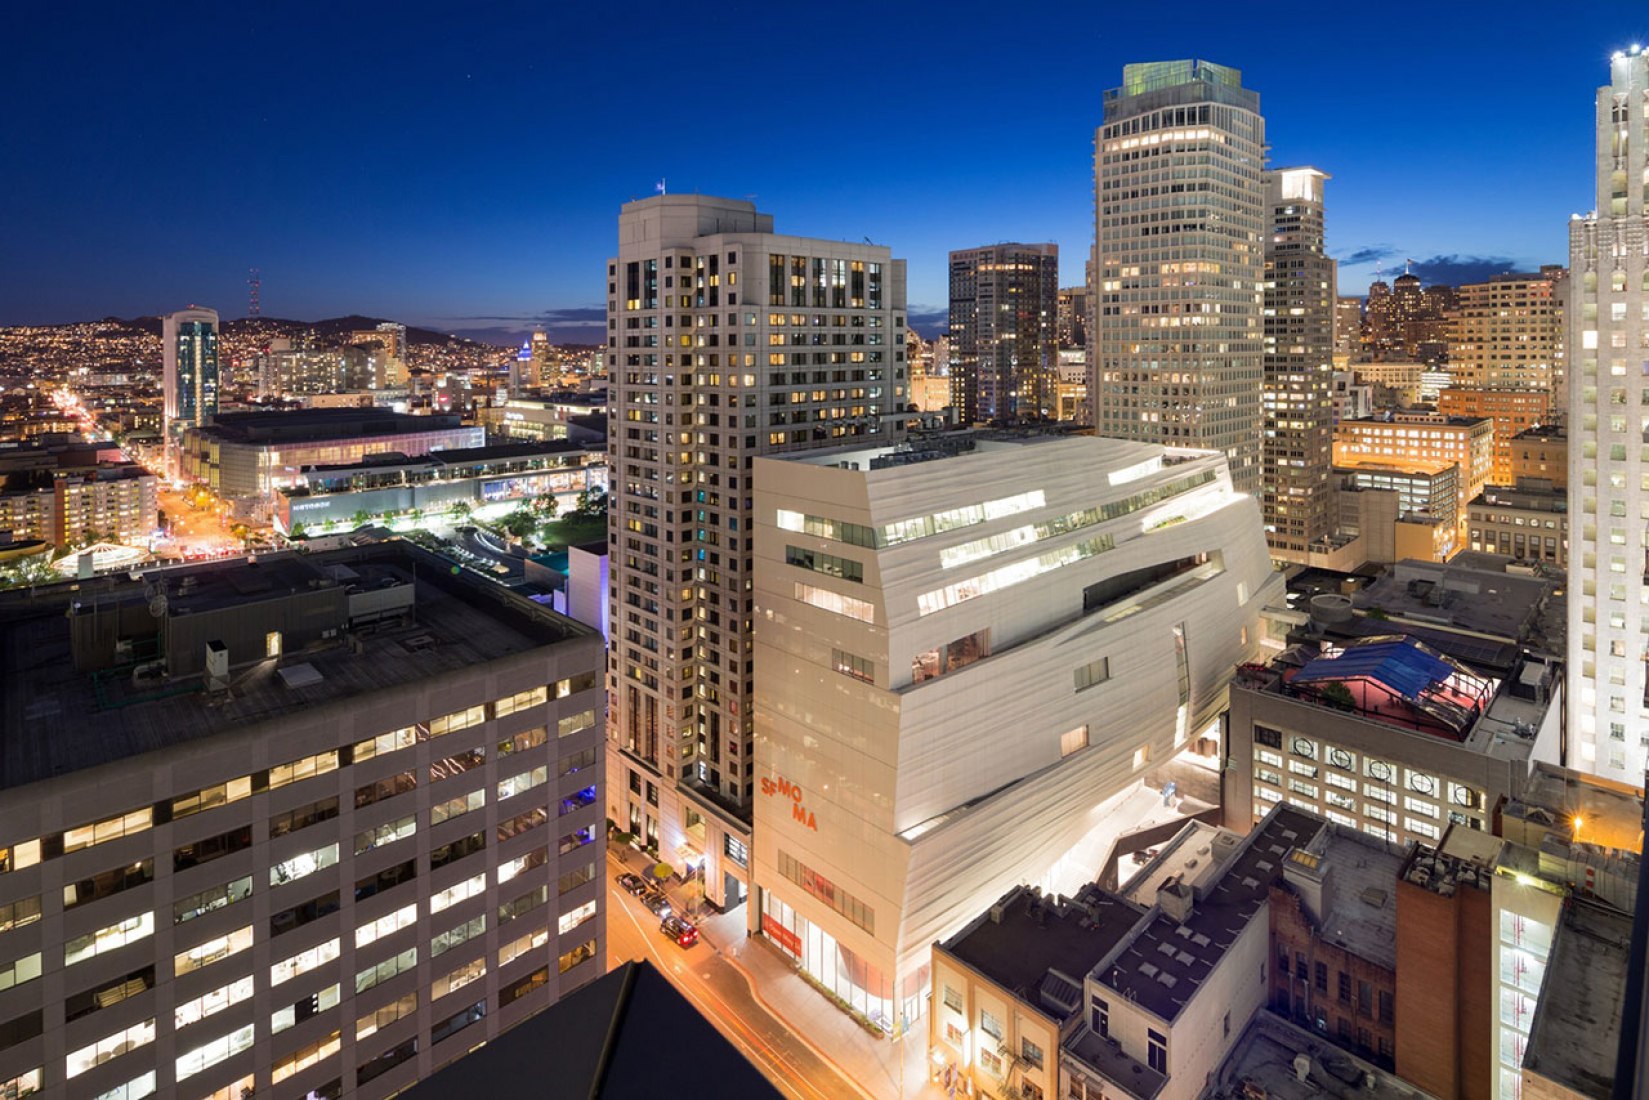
(660, 187)
(253, 285)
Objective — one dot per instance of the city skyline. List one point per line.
(458, 178)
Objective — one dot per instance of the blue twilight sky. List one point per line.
(462, 164)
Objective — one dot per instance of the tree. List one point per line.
(462, 510)
(1337, 695)
(361, 517)
(298, 532)
(519, 523)
(592, 502)
(417, 516)
(546, 506)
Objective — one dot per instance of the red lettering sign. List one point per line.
(781, 935)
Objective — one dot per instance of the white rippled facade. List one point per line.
(890, 811)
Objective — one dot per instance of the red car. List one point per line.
(685, 935)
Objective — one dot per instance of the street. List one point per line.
(722, 994)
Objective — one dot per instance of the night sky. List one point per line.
(462, 164)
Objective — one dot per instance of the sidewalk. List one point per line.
(884, 1069)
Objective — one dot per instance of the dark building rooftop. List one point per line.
(613, 1038)
(1576, 1028)
(1163, 965)
(311, 424)
(1039, 948)
(111, 668)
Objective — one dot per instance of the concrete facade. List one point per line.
(960, 654)
(300, 874)
(1608, 341)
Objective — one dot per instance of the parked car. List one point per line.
(685, 934)
(657, 902)
(632, 883)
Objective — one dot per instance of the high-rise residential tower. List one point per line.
(1608, 340)
(725, 341)
(1297, 496)
(1004, 303)
(189, 356)
(1178, 261)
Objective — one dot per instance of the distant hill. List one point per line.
(331, 329)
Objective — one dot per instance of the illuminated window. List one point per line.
(532, 941)
(303, 865)
(1073, 741)
(396, 964)
(385, 1015)
(452, 895)
(209, 1004)
(304, 1008)
(835, 602)
(304, 1057)
(108, 939)
(109, 1048)
(304, 961)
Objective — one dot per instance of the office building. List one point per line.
(1428, 506)
(1387, 735)
(311, 826)
(1407, 437)
(189, 360)
(1542, 453)
(1608, 334)
(1395, 383)
(579, 417)
(1004, 305)
(1071, 321)
(1512, 410)
(960, 657)
(1528, 522)
(1178, 354)
(505, 474)
(1508, 332)
(1073, 385)
(1296, 494)
(246, 457)
(1353, 399)
(814, 356)
(1348, 329)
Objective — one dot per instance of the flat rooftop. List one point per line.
(1576, 1027)
(1195, 855)
(1393, 679)
(1108, 453)
(1166, 962)
(1039, 948)
(1360, 901)
(304, 425)
(1355, 463)
(1610, 813)
(1471, 596)
(56, 720)
(1264, 1055)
